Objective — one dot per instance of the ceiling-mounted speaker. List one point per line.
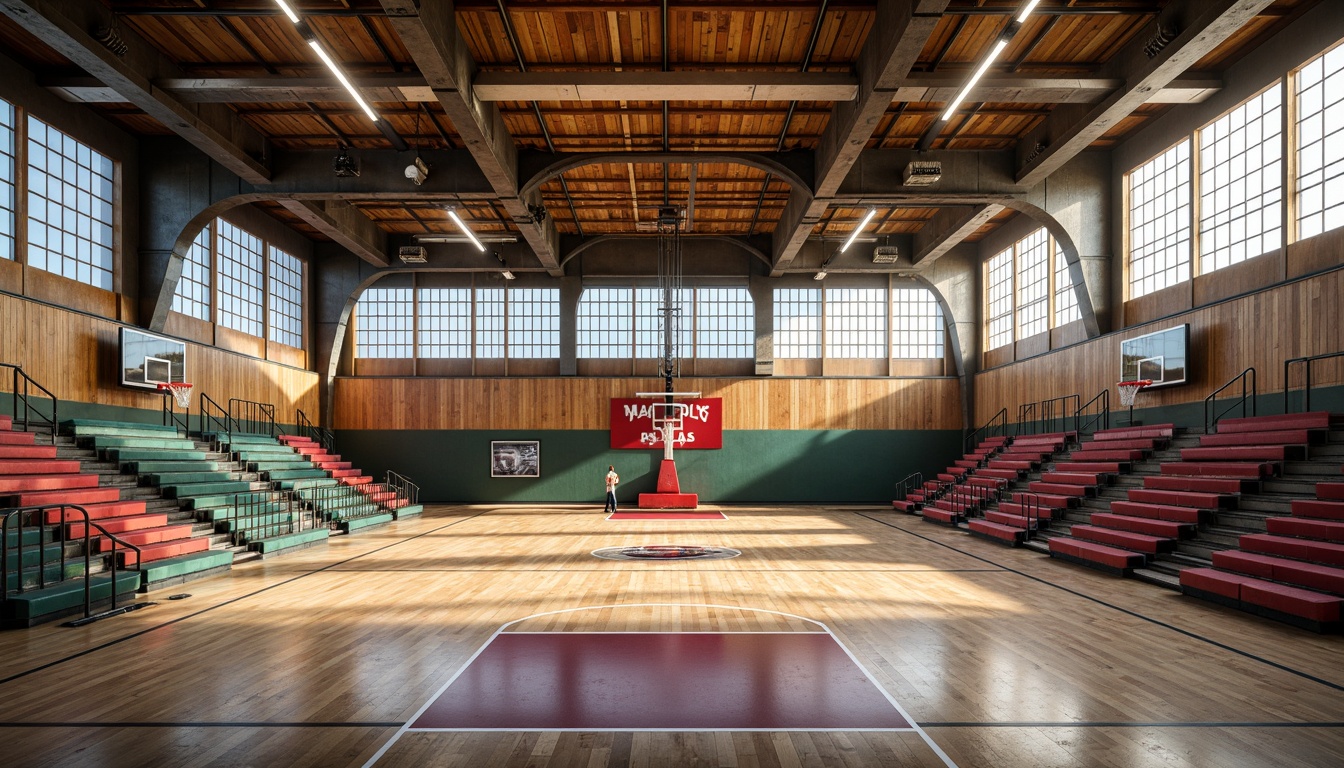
(922, 173)
(886, 254)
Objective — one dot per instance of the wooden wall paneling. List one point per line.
(286, 355)
(227, 338)
(75, 356)
(1158, 304)
(187, 327)
(1250, 275)
(582, 403)
(1259, 330)
(11, 276)
(50, 287)
(1314, 254)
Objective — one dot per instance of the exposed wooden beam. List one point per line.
(346, 225)
(948, 228)
(66, 25)
(893, 46)
(428, 29)
(1203, 25)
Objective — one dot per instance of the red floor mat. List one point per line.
(667, 516)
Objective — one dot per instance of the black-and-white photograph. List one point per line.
(515, 458)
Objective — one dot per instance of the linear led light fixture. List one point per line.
(855, 234)
(1021, 17)
(465, 239)
(452, 214)
(999, 45)
(294, 17)
(335, 70)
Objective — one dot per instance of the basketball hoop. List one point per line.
(1128, 389)
(180, 390)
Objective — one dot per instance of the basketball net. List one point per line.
(1128, 389)
(180, 390)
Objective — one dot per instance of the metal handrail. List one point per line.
(1306, 382)
(1048, 408)
(247, 416)
(258, 505)
(40, 513)
(170, 417)
(1002, 424)
(325, 500)
(213, 415)
(321, 435)
(404, 488)
(30, 415)
(1102, 418)
(1211, 401)
(1025, 412)
(1030, 502)
(909, 483)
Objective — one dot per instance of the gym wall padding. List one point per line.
(777, 466)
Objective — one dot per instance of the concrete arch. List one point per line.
(760, 162)
(1065, 242)
(601, 239)
(950, 324)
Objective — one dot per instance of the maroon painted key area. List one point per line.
(662, 681)
(666, 516)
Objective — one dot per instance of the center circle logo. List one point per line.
(666, 552)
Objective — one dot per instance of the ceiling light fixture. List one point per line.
(452, 214)
(820, 275)
(854, 235)
(335, 70)
(294, 17)
(1026, 10)
(506, 273)
(999, 45)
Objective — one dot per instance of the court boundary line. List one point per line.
(1158, 622)
(230, 601)
(932, 724)
(914, 726)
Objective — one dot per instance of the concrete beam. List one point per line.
(66, 26)
(637, 86)
(939, 88)
(1202, 24)
(901, 31)
(967, 178)
(345, 225)
(428, 29)
(948, 228)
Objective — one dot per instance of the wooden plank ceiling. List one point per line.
(251, 39)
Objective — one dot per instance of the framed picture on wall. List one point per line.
(515, 458)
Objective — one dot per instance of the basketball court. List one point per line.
(491, 636)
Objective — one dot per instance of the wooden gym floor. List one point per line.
(1002, 657)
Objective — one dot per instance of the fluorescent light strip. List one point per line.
(1021, 17)
(852, 235)
(294, 17)
(452, 214)
(975, 78)
(335, 70)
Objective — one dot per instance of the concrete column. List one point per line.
(762, 293)
(571, 290)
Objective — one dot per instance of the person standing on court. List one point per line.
(612, 480)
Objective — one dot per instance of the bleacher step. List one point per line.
(176, 570)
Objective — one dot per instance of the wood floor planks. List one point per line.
(362, 632)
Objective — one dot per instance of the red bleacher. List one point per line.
(332, 464)
(1293, 572)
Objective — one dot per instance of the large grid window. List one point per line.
(1033, 284)
(8, 188)
(856, 322)
(725, 323)
(916, 324)
(238, 291)
(1320, 143)
(1159, 222)
(193, 289)
(649, 322)
(443, 323)
(70, 191)
(1241, 183)
(491, 321)
(1001, 299)
(383, 321)
(606, 323)
(534, 322)
(797, 323)
(285, 289)
(1066, 300)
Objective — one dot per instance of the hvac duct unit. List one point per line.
(412, 254)
(922, 174)
(886, 254)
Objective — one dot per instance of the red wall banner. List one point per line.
(632, 424)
